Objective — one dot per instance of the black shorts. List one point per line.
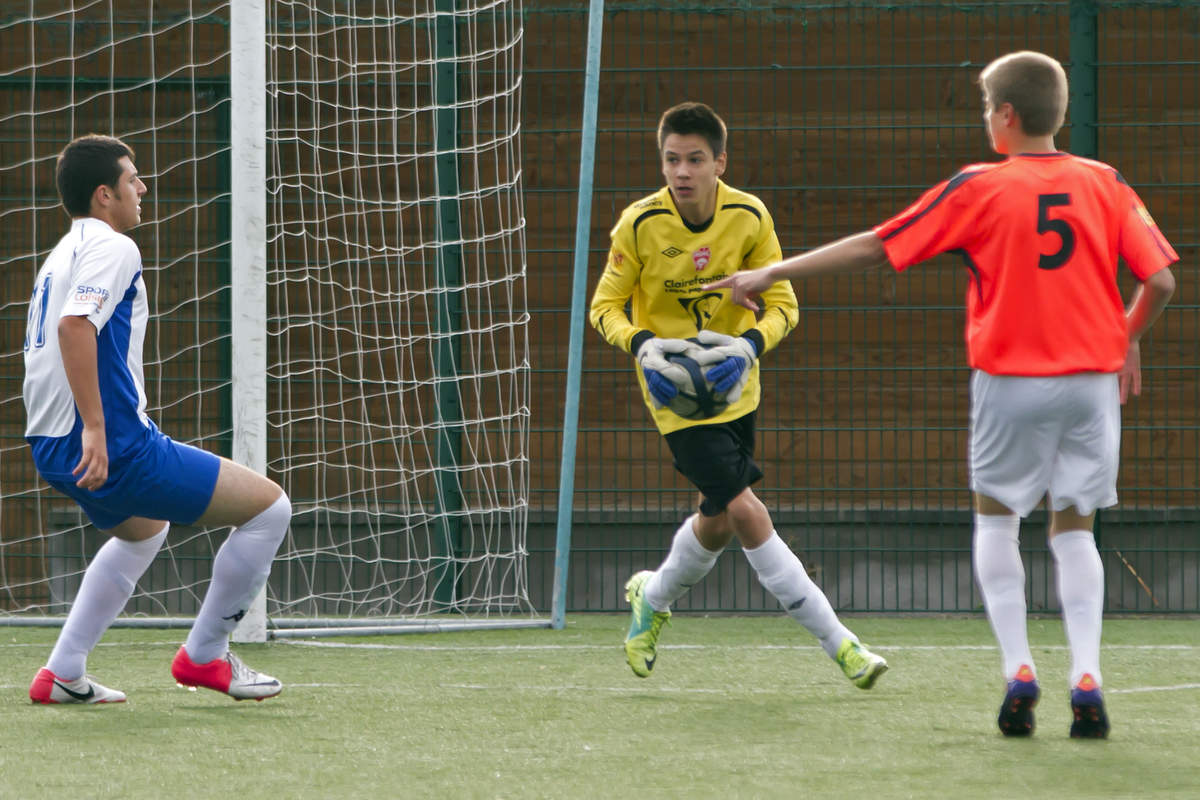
(717, 459)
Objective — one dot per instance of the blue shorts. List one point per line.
(158, 479)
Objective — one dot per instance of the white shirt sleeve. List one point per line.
(103, 270)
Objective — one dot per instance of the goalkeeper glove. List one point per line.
(663, 378)
(731, 374)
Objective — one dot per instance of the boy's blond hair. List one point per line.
(1034, 84)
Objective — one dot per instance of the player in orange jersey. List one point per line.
(1053, 350)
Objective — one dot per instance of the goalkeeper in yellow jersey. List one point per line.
(665, 247)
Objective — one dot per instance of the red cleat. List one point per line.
(50, 689)
(227, 675)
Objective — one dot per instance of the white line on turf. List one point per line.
(613, 689)
(49, 645)
(1140, 689)
(541, 647)
(898, 648)
(724, 690)
(322, 685)
(626, 689)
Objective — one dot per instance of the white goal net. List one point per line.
(396, 345)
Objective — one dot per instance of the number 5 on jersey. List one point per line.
(1046, 224)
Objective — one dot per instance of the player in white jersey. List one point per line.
(91, 440)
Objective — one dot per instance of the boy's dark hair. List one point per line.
(84, 164)
(1034, 84)
(688, 118)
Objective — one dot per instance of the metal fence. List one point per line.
(839, 115)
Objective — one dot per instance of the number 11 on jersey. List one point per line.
(35, 327)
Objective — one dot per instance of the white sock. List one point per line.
(1001, 576)
(781, 573)
(239, 571)
(107, 585)
(687, 563)
(1080, 574)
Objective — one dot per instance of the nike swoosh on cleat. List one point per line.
(82, 697)
(650, 662)
(797, 604)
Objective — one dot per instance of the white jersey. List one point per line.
(93, 272)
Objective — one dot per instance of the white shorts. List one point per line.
(1057, 437)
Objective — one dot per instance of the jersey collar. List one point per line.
(703, 226)
(79, 222)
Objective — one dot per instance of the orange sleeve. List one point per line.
(1141, 243)
(942, 219)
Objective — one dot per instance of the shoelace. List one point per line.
(854, 658)
(239, 670)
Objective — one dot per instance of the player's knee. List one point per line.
(271, 524)
(747, 513)
(281, 510)
(277, 513)
(1069, 519)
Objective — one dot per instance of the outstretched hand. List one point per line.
(745, 286)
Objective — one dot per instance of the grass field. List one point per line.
(737, 707)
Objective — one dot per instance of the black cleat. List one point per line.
(1016, 712)
(1087, 706)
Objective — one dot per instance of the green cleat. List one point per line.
(644, 626)
(861, 666)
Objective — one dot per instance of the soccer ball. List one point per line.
(700, 401)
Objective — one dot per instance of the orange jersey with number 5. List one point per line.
(1040, 235)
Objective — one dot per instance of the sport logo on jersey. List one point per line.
(701, 258)
(1145, 215)
(702, 308)
(672, 251)
(615, 259)
(95, 296)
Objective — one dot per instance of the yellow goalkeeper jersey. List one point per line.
(656, 267)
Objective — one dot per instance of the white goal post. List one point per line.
(335, 252)
(248, 250)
